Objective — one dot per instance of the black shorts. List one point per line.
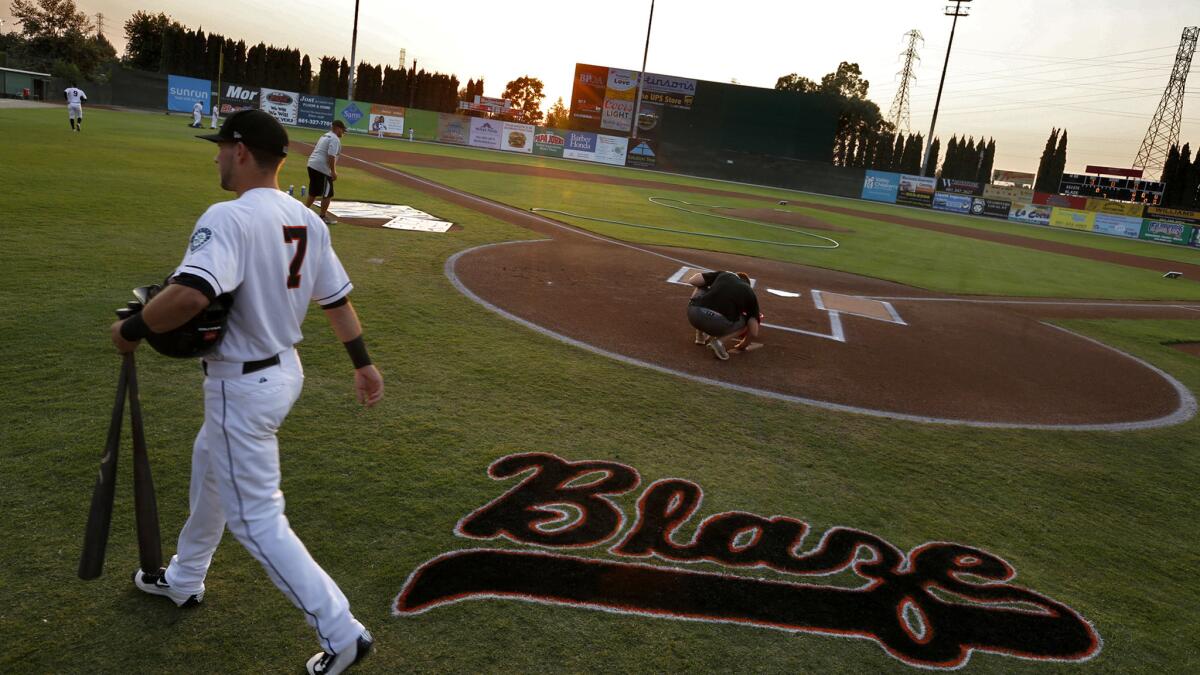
(319, 185)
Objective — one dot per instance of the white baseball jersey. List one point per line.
(74, 95)
(327, 146)
(197, 110)
(275, 255)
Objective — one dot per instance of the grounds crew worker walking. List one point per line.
(75, 98)
(275, 256)
(322, 168)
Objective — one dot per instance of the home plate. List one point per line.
(417, 224)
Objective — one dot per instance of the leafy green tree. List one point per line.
(525, 92)
(56, 35)
(558, 115)
(797, 83)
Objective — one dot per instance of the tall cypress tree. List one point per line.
(987, 159)
(1046, 165)
(1060, 161)
(1182, 171)
(935, 149)
(1170, 189)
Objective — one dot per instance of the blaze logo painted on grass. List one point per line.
(930, 607)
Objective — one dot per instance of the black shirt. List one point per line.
(729, 295)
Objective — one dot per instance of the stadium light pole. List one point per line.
(353, 46)
(956, 11)
(637, 107)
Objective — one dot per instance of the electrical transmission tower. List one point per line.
(898, 114)
(1164, 128)
(100, 23)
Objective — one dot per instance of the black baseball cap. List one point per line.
(254, 128)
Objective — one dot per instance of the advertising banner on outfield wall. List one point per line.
(587, 94)
(611, 149)
(485, 133)
(1118, 226)
(1170, 233)
(316, 112)
(1173, 215)
(960, 187)
(617, 115)
(992, 208)
(386, 121)
(1065, 201)
(282, 105)
(1100, 205)
(354, 114)
(622, 85)
(1033, 214)
(643, 154)
(1016, 195)
(580, 145)
(916, 190)
(1072, 219)
(1196, 237)
(549, 142)
(516, 137)
(453, 129)
(1017, 178)
(235, 97)
(949, 201)
(183, 92)
(677, 92)
(881, 186)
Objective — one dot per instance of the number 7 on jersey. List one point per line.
(297, 234)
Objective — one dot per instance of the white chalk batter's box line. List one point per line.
(836, 332)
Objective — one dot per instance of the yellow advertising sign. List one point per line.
(1100, 205)
(1011, 194)
(1072, 219)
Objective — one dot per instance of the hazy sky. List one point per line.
(1017, 68)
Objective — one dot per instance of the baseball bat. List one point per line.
(95, 535)
(145, 505)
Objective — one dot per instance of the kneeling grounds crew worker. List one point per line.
(275, 256)
(723, 304)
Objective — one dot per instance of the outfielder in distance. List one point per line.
(75, 98)
(275, 256)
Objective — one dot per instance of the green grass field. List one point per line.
(1103, 522)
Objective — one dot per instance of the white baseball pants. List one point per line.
(235, 482)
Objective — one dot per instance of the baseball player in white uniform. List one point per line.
(276, 257)
(75, 98)
(197, 113)
(322, 168)
(216, 112)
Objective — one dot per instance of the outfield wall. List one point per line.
(1118, 219)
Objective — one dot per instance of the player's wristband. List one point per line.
(358, 353)
(134, 328)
